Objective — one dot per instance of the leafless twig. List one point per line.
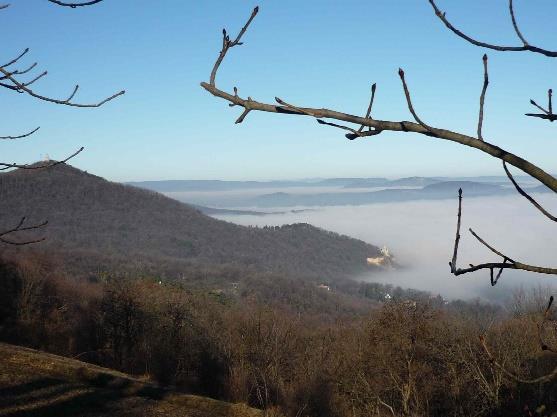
(368, 112)
(227, 44)
(546, 114)
(515, 25)
(409, 102)
(20, 136)
(23, 87)
(10, 79)
(452, 263)
(525, 47)
(482, 99)
(74, 5)
(528, 197)
(4, 236)
(5, 166)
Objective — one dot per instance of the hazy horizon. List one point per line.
(500, 176)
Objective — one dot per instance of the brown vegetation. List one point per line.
(339, 355)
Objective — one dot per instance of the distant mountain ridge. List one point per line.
(92, 218)
(279, 195)
(166, 186)
(435, 191)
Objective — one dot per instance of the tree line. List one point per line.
(402, 357)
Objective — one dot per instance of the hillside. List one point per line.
(92, 218)
(34, 383)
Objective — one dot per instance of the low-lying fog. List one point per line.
(421, 235)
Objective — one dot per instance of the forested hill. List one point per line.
(93, 221)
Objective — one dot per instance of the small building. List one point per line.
(385, 259)
(324, 287)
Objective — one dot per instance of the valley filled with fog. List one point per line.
(420, 233)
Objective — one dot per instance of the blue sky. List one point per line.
(320, 54)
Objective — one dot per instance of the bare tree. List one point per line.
(15, 76)
(363, 126)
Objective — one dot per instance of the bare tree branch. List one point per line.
(525, 47)
(409, 102)
(368, 112)
(491, 248)
(508, 262)
(452, 263)
(74, 5)
(377, 125)
(515, 25)
(4, 236)
(20, 136)
(547, 114)
(13, 61)
(482, 99)
(354, 133)
(227, 44)
(528, 197)
(5, 166)
(23, 87)
(533, 103)
(550, 117)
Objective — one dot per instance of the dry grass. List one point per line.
(34, 384)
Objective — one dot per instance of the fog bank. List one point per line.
(421, 235)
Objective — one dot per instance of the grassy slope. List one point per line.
(34, 383)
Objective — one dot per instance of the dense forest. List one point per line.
(97, 225)
(288, 346)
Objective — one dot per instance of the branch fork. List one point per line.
(507, 263)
